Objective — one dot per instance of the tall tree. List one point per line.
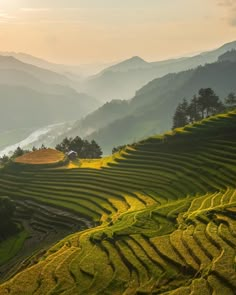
(209, 103)
(181, 117)
(193, 110)
(19, 152)
(231, 99)
(96, 150)
(84, 148)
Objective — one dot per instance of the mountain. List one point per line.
(152, 108)
(27, 138)
(23, 107)
(47, 76)
(76, 71)
(34, 97)
(130, 64)
(156, 218)
(122, 80)
(98, 119)
(229, 56)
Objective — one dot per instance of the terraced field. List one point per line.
(42, 157)
(163, 214)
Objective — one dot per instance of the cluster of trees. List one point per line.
(84, 148)
(7, 210)
(17, 153)
(201, 106)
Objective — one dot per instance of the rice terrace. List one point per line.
(157, 217)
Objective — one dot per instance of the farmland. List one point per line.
(157, 218)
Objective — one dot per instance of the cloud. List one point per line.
(230, 7)
(227, 3)
(5, 17)
(30, 9)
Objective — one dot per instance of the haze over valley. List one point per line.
(117, 147)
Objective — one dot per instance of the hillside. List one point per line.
(152, 108)
(47, 76)
(122, 80)
(35, 109)
(76, 71)
(165, 218)
(37, 97)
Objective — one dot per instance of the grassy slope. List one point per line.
(12, 246)
(166, 210)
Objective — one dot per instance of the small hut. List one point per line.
(72, 155)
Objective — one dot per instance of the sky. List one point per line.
(97, 31)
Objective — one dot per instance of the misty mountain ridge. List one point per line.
(34, 97)
(52, 103)
(78, 72)
(151, 110)
(121, 81)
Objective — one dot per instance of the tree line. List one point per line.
(201, 106)
(84, 148)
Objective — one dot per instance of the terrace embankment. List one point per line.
(165, 210)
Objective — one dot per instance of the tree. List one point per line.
(4, 160)
(193, 110)
(64, 146)
(77, 144)
(230, 100)
(18, 152)
(208, 102)
(84, 148)
(181, 117)
(96, 150)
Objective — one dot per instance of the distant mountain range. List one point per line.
(121, 81)
(32, 97)
(152, 108)
(76, 71)
(35, 93)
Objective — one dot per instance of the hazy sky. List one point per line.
(84, 31)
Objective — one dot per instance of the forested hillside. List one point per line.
(122, 80)
(152, 109)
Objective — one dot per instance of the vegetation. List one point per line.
(231, 100)
(38, 97)
(123, 79)
(151, 110)
(118, 149)
(229, 56)
(84, 148)
(11, 246)
(7, 226)
(18, 153)
(165, 213)
(206, 104)
(43, 155)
